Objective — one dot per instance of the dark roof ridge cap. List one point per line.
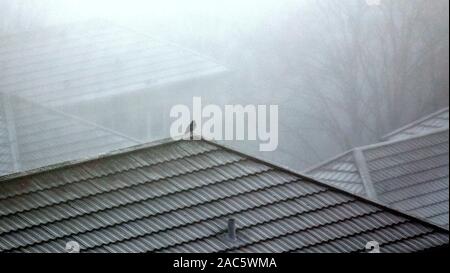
(414, 123)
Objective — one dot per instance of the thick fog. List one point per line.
(343, 73)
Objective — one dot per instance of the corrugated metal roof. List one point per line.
(177, 196)
(78, 62)
(434, 121)
(43, 136)
(410, 174)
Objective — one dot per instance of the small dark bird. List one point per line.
(190, 130)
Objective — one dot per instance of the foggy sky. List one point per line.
(343, 72)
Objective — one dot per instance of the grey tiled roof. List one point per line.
(434, 121)
(79, 62)
(178, 197)
(43, 136)
(411, 174)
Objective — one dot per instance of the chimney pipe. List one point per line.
(232, 229)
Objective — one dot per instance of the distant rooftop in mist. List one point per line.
(72, 63)
(409, 172)
(33, 136)
(44, 70)
(436, 120)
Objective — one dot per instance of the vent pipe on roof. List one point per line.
(232, 230)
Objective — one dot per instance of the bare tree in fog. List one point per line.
(343, 72)
(377, 68)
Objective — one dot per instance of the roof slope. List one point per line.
(437, 120)
(43, 136)
(178, 197)
(411, 175)
(78, 62)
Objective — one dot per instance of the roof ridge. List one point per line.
(364, 173)
(395, 141)
(414, 123)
